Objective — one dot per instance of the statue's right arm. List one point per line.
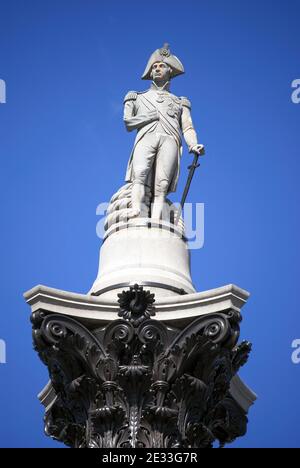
(134, 120)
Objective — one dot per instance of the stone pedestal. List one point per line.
(144, 252)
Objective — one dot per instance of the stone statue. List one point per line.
(160, 119)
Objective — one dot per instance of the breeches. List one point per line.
(156, 153)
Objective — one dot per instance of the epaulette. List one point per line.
(185, 102)
(131, 96)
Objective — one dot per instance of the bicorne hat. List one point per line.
(163, 55)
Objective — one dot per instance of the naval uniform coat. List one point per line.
(136, 108)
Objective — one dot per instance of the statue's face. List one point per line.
(160, 72)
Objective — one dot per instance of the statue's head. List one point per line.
(161, 72)
(162, 61)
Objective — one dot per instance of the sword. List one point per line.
(192, 169)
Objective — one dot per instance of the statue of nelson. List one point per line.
(160, 119)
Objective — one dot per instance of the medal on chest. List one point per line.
(170, 105)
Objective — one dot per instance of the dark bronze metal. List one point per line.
(138, 383)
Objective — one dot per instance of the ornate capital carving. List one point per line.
(137, 382)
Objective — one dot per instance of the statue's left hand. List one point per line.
(198, 149)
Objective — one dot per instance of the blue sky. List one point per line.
(64, 149)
